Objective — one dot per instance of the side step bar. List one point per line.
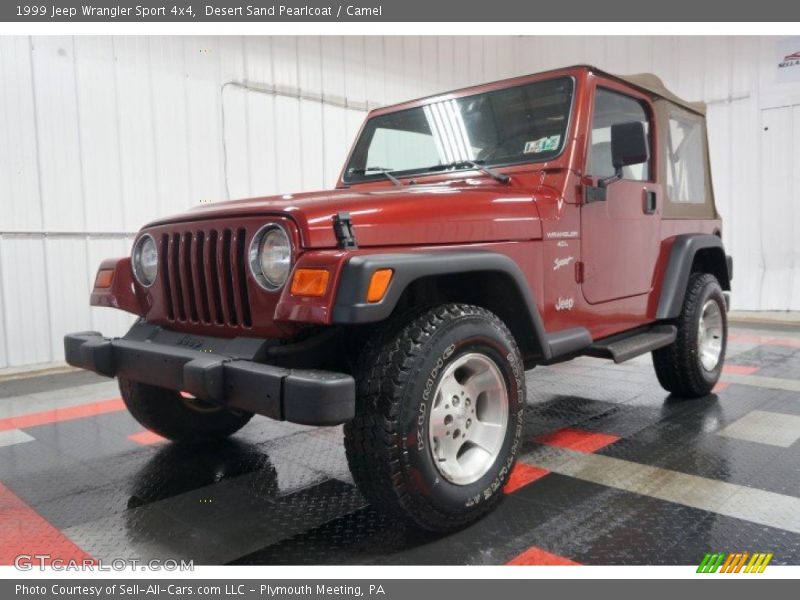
(626, 346)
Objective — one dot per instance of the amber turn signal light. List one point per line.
(104, 278)
(378, 284)
(310, 282)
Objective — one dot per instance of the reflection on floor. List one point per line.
(613, 472)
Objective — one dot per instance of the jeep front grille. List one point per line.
(204, 277)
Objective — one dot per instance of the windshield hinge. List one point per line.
(343, 228)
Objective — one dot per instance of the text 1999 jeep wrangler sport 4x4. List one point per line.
(472, 235)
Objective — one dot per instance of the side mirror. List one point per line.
(628, 145)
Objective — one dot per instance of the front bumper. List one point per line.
(228, 372)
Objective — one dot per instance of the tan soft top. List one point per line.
(652, 84)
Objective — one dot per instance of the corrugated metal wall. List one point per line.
(99, 135)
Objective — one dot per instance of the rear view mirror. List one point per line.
(628, 145)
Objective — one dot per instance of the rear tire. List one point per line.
(691, 366)
(439, 416)
(177, 417)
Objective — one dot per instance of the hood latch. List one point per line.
(343, 229)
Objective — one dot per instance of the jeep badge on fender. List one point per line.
(470, 236)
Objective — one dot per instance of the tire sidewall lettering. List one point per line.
(498, 348)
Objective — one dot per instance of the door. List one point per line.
(620, 236)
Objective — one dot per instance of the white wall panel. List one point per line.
(3, 333)
(413, 84)
(262, 143)
(354, 70)
(137, 107)
(461, 66)
(778, 223)
(284, 61)
(640, 54)
(744, 64)
(740, 223)
(100, 162)
(313, 151)
(99, 135)
(68, 287)
(429, 65)
(794, 201)
(203, 116)
(333, 71)
(165, 131)
(25, 300)
(374, 72)
(58, 133)
(335, 142)
(235, 146)
(290, 152)
(19, 167)
(446, 62)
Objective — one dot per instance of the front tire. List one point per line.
(691, 366)
(179, 417)
(439, 416)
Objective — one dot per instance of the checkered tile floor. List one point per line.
(613, 472)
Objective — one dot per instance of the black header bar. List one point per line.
(151, 11)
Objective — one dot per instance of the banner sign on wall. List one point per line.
(788, 55)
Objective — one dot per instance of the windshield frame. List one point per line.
(379, 176)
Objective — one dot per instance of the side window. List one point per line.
(685, 160)
(611, 108)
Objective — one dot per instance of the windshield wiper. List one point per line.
(382, 170)
(473, 164)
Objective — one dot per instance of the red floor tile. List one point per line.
(522, 475)
(575, 439)
(24, 531)
(62, 414)
(739, 369)
(537, 556)
(146, 438)
(721, 386)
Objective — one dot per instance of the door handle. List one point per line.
(650, 202)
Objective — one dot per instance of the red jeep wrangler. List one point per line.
(471, 236)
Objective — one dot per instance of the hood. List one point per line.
(466, 211)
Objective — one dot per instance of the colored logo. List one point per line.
(790, 60)
(738, 562)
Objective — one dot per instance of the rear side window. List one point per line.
(611, 108)
(685, 160)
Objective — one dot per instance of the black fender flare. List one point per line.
(351, 306)
(679, 267)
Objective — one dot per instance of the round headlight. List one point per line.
(145, 260)
(271, 256)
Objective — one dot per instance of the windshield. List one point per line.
(527, 123)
